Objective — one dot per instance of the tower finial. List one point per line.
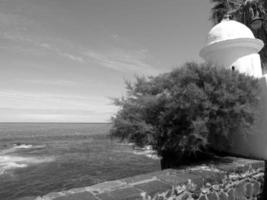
(227, 16)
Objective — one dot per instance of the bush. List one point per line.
(187, 111)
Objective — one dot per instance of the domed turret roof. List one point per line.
(227, 30)
(230, 34)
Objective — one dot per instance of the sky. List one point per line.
(63, 60)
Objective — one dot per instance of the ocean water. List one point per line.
(38, 158)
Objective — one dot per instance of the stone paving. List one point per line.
(229, 179)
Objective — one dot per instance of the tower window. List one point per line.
(233, 68)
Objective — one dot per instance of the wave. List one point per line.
(28, 146)
(144, 151)
(9, 161)
(22, 146)
(17, 147)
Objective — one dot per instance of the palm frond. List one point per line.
(243, 11)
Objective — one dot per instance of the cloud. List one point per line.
(115, 36)
(30, 37)
(72, 57)
(123, 60)
(26, 37)
(63, 53)
(36, 45)
(9, 21)
(63, 118)
(63, 83)
(39, 100)
(38, 106)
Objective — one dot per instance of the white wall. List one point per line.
(254, 144)
(241, 58)
(249, 64)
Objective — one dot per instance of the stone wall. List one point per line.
(227, 178)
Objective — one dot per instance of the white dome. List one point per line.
(232, 44)
(230, 35)
(228, 30)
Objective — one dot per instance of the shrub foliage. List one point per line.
(187, 111)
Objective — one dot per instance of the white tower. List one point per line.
(231, 44)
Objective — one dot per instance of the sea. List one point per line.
(39, 158)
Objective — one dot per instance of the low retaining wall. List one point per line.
(228, 178)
